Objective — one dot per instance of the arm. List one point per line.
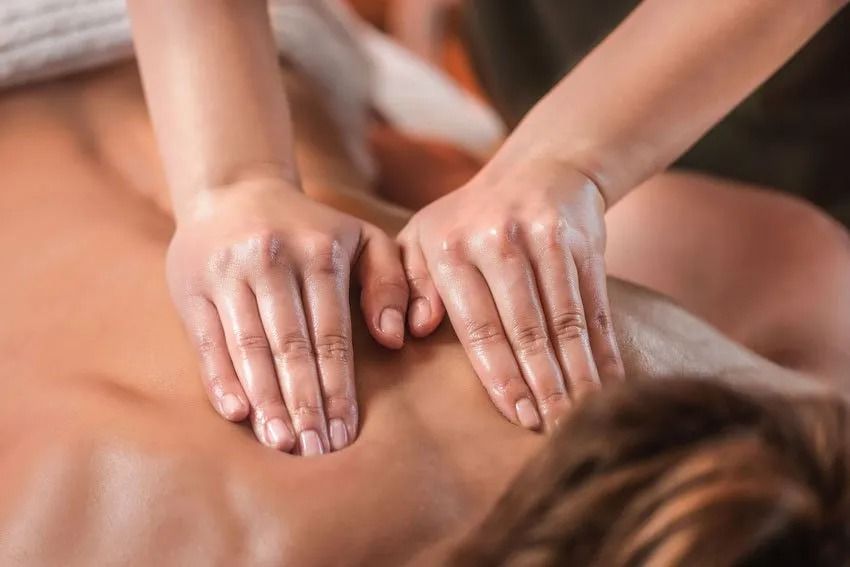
(215, 94)
(664, 77)
(258, 272)
(527, 233)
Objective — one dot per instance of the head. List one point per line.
(680, 473)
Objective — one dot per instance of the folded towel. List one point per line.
(352, 65)
(46, 39)
(41, 39)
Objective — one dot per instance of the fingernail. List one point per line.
(420, 311)
(231, 406)
(311, 445)
(339, 435)
(392, 322)
(277, 433)
(527, 415)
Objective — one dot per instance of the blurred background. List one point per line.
(792, 134)
(434, 29)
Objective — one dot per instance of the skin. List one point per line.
(513, 248)
(532, 220)
(260, 274)
(110, 453)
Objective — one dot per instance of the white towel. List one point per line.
(45, 39)
(42, 39)
(48, 38)
(324, 39)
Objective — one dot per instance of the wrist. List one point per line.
(614, 161)
(255, 190)
(554, 164)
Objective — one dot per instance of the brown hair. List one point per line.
(680, 473)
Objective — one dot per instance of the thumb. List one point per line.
(385, 292)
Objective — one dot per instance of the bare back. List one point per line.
(109, 452)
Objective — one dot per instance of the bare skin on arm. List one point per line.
(258, 271)
(516, 256)
(109, 451)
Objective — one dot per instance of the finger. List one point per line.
(426, 309)
(282, 315)
(593, 285)
(325, 291)
(510, 277)
(252, 358)
(220, 380)
(476, 322)
(557, 279)
(384, 288)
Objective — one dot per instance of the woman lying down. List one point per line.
(726, 445)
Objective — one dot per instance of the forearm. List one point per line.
(214, 91)
(663, 78)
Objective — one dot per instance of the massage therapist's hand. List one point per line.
(260, 275)
(516, 259)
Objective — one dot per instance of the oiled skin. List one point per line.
(109, 451)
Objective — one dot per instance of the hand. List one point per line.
(260, 275)
(518, 264)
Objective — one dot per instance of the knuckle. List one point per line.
(551, 229)
(392, 283)
(505, 386)
(452, 247)
(326, 254)
(530, 339)
(322, 242)
(588, 256)
(553, 246)
(611, 367)
(569, 325)
(583, 382)
(293, 347)
(416, 278)
(501, 240)
(341, 405)
(552, 401)
(266, 248)
(220, 262)
(217, 384)
(481, 334)
(251, 342)
(306, 409)
(557, 224)
(602, 322)
(336, 347)
(266, 409)
(206, 345)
